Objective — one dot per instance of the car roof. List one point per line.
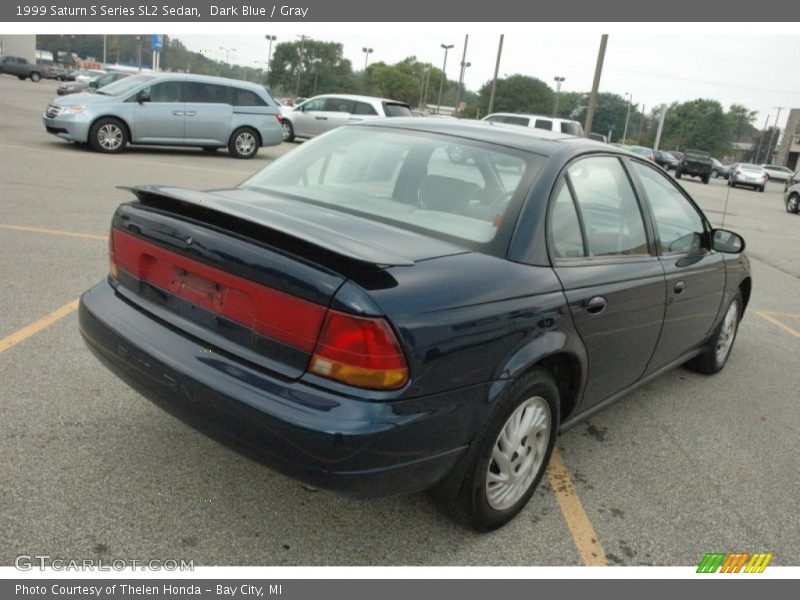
(532, 115)
(359, 98)
(212, 79)
(539, 141)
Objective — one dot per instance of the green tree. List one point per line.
(700, 124)
(517, 93)
(320, 62)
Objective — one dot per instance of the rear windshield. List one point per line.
(571, 128)
(748, 167)
(396, 110)
(450, 188)
(524, 121)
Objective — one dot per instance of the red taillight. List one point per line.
(112, 259)
(361, 352)
(278, 118)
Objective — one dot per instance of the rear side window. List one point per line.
(246, 98)
(342, 105)
(362, 108)
(608, 207)
(571, 128)
(208, 93)
(543, 124)
(396, 110)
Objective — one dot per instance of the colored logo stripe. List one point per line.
(733, 562)
(711, 562)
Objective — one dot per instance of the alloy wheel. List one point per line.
(110, 136)
(727, 333)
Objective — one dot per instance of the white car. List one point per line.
(88, 75)
(322, 113)
(777, 173)
(748, 175)
(537, 122)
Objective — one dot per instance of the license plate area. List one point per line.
(197, 289)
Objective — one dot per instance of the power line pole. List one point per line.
(598, 70)
(461, 74)
(441, 79)
(760, 140)
(300, 57)
(663, 114)
(496, 70)
(639, 129)
(627, 116)
(768, 157)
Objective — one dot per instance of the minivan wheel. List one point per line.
(108, 135)
(505, 463)
(288, 131)
(243, 143)
(718, 349)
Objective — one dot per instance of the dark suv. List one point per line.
(696, 163)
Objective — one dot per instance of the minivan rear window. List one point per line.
(246, 98)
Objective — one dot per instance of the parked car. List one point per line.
(643, 151)
(676, 154)
(748, 175)
(370, 317)
(794, 179)
(69, 74)
(169, 109)
(86, 75)
(665, 160)
(777, 173)
(545, 122)
(719, 170)
(695, 163)
(792, 198)
(320, 114)
(598, 137)
(16, 65)
(75, 87)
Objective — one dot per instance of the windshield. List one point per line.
(126, 84)
(451, 188)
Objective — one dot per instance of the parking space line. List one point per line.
(581, 528)
(144, 162)
(790, 330)
(85, 236)
(23, 334)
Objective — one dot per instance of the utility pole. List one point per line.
(768, 157)
(639, 130)
(559, 80)
(139, 52)
(663, 114)
(627, 116)
(104, 49)
(441, 79)
(464, 65)
(760, 140)
(496, 70)
(598, 71)
(300, 57)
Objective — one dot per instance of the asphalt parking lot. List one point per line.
(89, 469)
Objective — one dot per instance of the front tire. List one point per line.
(108, 136)
(793, 203)
(505, 463)
(678, 173)
(35, 77)
(243, 143)
(718, 349)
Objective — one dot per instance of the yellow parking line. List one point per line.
(790, 330)
(23, 334)
(85, 236)
(775, 313)
(583, 534)
(144, 162)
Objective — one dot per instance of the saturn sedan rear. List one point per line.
(371, 315)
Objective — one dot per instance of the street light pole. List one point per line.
(627, 116)
(227, 53)
(367, 52)
(496, 70)
(464, 65)
(270, 39)
(104, 49)
(441, 79)
(139, 52)
(559, 80)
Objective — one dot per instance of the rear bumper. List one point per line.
(345, 444)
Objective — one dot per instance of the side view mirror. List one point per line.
(143, 97)
(723, 240)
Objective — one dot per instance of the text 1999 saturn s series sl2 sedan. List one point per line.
(370, 316)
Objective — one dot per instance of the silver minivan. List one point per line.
(169, 109)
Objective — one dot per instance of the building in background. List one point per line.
(789, 149)
(23, 46)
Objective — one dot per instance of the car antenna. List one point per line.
(725, 208)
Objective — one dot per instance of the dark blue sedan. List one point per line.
(371, 315)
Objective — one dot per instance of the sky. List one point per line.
(758, 71)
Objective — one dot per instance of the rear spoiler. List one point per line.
(324, 238)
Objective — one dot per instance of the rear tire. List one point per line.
(243, 143)
(497, 476)
(678, 173)
(705, 179)
(761, 189)
(108, 135)
(21, 77)
(35, 77)
(288, 131)
(718, 348)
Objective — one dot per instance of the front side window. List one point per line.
(446, 187)
(315, 104)
(608, 207)
(166, 91)
(680, 227)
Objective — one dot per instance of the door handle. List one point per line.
(596, 305)
(680, 287)
(190, 113)
(178, 113)
(321, 118)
